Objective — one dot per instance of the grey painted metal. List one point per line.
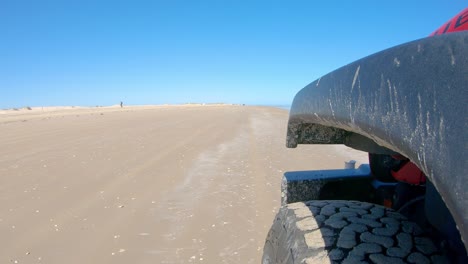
(411, 99)
(350, 164)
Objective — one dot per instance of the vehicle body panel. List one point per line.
(411, 99)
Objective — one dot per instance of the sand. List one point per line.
(151, 184)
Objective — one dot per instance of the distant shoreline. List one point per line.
(28, 113)
(281, 106)
(65, 107)
(102, 106)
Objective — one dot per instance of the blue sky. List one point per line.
(155, 52)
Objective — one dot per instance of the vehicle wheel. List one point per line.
(346, 232)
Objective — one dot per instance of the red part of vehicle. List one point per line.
(457, 23)
(409, 173)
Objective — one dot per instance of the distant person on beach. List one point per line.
(121, 104)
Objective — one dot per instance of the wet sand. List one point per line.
(162, 184)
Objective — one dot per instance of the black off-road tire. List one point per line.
(346, 232)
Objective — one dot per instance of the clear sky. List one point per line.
(155, 52)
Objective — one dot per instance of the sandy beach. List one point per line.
(149, 184)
